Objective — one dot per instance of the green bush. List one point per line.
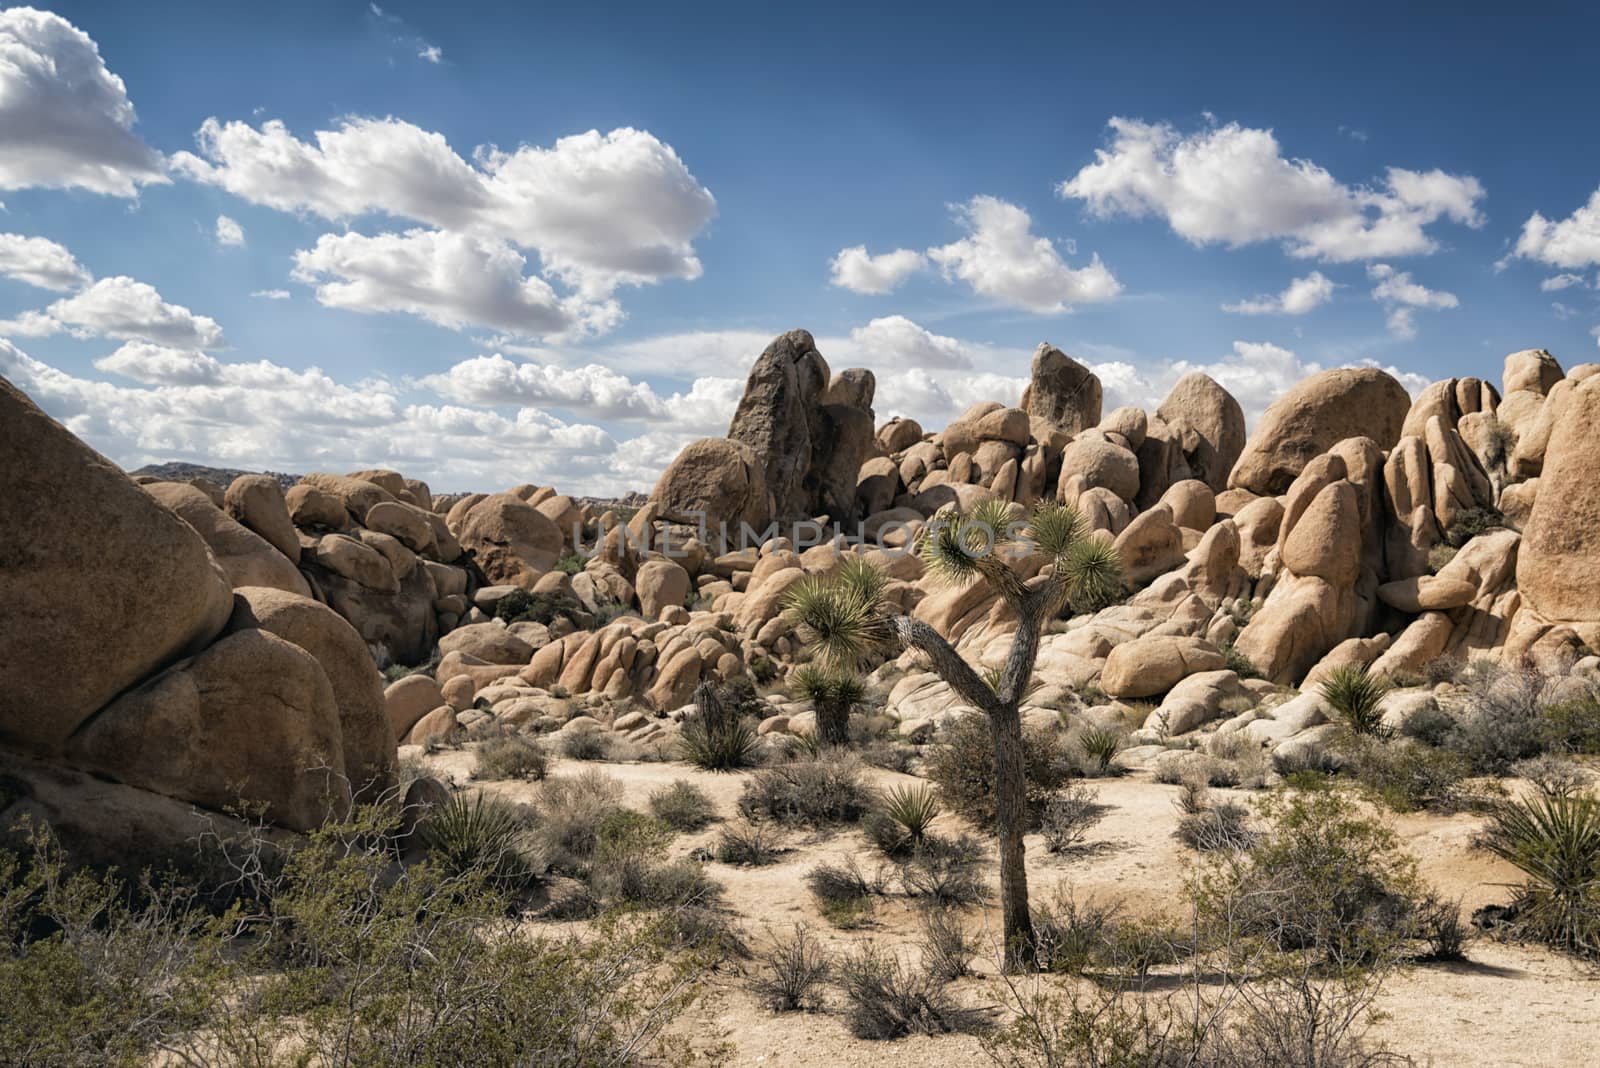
(1555, 842)
(520, 606)
(1237, 662)
(337, 956)
(720, 736)
(913, 810)
(1321, 877)
(683, 806)
(961, 763)
(1406, 775)
(1098, 746)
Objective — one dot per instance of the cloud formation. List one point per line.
(857, 270)
(122, 308)
(1401, 296)
(1302, 295)
(1003, 259)
(65, 119)
(1231, 185)
(229, 232)
(1573, 242)
(452, 279)
(41, 263)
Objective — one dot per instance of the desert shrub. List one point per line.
(1222, 826)
(1355, 696)
(1555, 842)
(1428, 725)
(749, 844)
(585, 744)
(947, 946)
(843, 891)
(1439, 556)
(1437, 923)
(513, 756)
(1074, 936)
(1306, 760)
(1442, 669)
(1320, 877)
(1069, 815)
(830, 789)
(1554, 776)
(1407, 776)
(886, 998)
(1573, 724)
(571, 563)
(1239, 761)
(682, 805)
(520, 606)
(762, 670)
(947, 871)
(961, 763)
(1500, 719)
(913, 810)
(567, 814)
(793, 972)
(626, 865)
(1470, 522)
(342, 958)
(1098, 747)
(1238, 663)
(1192, 797)
(480, 833)
(889, 754)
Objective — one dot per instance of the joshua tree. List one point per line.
(843, 618)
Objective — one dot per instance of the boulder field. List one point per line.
(209, 646)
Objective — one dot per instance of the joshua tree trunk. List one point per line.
(1010, 771)
(833, 722)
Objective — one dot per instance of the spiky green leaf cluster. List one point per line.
(842, 616)
(823, 686)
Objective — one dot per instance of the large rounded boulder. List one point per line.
(246, 557)
(1315, 415)
(514, 543)
(1207, 425)
(1558, 566)
(101, 586)
(370, 762)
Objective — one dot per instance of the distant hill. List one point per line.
(177, 471)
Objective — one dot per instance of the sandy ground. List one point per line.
(1506, 1005)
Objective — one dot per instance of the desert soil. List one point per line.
(1507, 1005)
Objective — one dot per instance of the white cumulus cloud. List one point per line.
(271, 294)
(1556, 283)
(1401, 297)
(122, 308)
(229, 232)
(601, 210)
(41, 262)
(1573, 242)
(65, 119)
(452, 279)
(1003, 259)
(1301, 296)
(856, 270)
(1232, 185)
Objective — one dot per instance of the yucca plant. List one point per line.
(843, 618)
(1555, 842)
(914, 808)
(480, 833)
(716, 737)
(1355, 695)
(1099, 746)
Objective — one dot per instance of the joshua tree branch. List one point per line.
(947, 663)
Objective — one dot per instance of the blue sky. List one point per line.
(673, 185)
